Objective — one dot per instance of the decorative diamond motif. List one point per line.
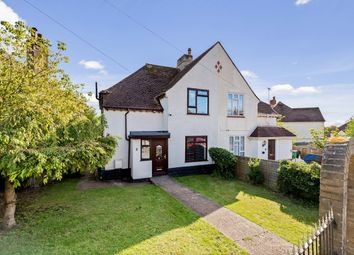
(218, 66)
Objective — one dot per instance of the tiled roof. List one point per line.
(139, 90)
(271, 131)
(265, 108)
(289, 114)
(142, 89)
(343, 127)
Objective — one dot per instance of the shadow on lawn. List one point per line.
(64, 220)
(225, 192)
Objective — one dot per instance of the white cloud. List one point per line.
(302, 2)
(92, 64)
(249, 74)
(289, 89)
(8, 14)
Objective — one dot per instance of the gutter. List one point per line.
(126, 134)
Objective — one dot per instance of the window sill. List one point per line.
(239, 116)
(196, 161)
(201, 114)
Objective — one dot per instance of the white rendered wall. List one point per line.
(283, 147)
(137, 121)
(140, 169)
(302, 129)
(266, 121)
(217, 126)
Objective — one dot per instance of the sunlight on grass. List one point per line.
(285, 217)
(186, 240)
(140, 219)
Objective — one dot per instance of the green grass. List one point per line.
(139, 219)
(283, 216)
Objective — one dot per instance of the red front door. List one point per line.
(159, 153)
(271, 149)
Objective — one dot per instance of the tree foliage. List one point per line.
(349, 131)
(319, 137)
(46, 127)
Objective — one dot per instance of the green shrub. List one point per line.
(255, 174)
(300, 179)
(225, 162)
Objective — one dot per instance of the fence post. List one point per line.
(334, 189)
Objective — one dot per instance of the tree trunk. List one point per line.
(10, 205)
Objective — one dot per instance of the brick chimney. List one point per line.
(273, 102)
(183, 61)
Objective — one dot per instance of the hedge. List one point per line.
(300, 179)
(225, 162)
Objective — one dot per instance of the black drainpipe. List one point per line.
(126, 135)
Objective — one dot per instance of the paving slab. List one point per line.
(248, 235)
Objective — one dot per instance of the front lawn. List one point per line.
(140, 219)
(283, 216)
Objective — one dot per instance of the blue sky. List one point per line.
(302, 49)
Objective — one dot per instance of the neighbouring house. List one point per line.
(342, 128)
(168, 117)
(300, 121)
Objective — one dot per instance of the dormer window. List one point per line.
(198, 101)
(235, 105)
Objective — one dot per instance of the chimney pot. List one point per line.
(183, 61)
(273, 102)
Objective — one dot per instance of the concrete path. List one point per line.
(248, 235)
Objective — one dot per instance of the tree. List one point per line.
(46, 127)
(319, 137)
(349, 131)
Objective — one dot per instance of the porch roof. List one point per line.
(149, 134)
(271, 131)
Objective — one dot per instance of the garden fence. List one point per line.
(320, 241)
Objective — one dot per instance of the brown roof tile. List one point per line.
(139, 90)
(265, 108)
(311, 114)
(142, 89)
(271, 132)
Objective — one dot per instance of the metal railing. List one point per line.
(320, 241)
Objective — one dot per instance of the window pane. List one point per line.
(229, 104)
(192, 110)
(242, 143)
(202, 93)
(237, 148)
(240, 105)
(231, 144)
(196, 148)
(145, 142)
(145, 152)
(158, 150)
(234, 105)
(191, 97)
(202, 105)
(200, 151)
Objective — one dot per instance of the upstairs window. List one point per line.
(237, 145)
(196, 148)
(198, 101)
(234, 104)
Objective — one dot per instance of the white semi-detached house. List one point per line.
(168, 117)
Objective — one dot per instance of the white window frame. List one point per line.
(236, 99)
(237, 145)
